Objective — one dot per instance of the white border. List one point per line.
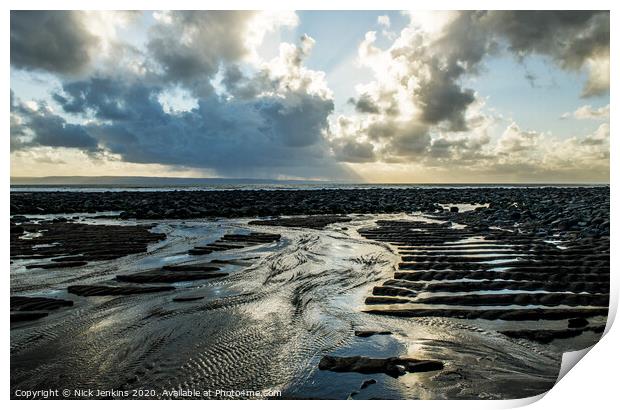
(592, 384)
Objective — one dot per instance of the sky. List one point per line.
(369, 96)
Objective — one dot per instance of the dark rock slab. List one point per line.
(57, 265)
(32, 303)
(26, 308)
(235, 241)
(494, 314)
(368, 333)
(102, 290)
(577, 322)
(199, 251)
(392, 366)
(187, 298)
(392, 291)
(26, 316)
(472, 286)
(385, 300)
(545, 336)
(168, 277)
(190, 268)
(544, 299)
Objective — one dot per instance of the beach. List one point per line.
(327, 293)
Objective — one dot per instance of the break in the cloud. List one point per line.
(193, 91)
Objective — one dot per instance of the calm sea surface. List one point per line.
(270, 186)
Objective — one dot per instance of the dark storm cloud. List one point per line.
(236, 137)
(41, 127)
(110, 99)
(54, 41)
(297, 125)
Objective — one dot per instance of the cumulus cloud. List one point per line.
(587, 112)
(514, 140)
(598, 137)
(544, 157)
(417, 89)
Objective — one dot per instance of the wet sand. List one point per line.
(455, 306)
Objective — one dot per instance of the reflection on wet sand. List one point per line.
(261, 305)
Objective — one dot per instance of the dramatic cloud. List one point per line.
(277, 128)
(417, 110)
(193, 90)
(52, 41)
(574, 39)
(190, 46)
